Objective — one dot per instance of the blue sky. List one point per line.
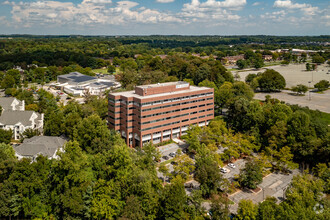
(184, 17)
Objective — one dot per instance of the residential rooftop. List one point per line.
(45, 145)
(14, 117)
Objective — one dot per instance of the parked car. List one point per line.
(172, 154)
(231, 165)
(166, 157)
(224, 170)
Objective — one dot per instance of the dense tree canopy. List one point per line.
(271, 80)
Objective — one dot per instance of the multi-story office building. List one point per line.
(159, 112)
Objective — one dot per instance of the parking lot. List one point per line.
(315, 101)
(169, 151)
(170, 148)
(239, 164)
(273, 185)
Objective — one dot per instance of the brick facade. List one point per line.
(159, 112)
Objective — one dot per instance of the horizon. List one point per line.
(167, 35)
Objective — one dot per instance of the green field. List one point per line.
(325, 117)
(103, 71)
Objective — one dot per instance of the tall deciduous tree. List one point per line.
(251, 174)
(247, 210)
(5, 136)
(271, 80)
(93, 134)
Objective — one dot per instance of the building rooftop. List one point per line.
(133, 94)
(5, 102)
(163, 84)
(76, 77)
(14, 117)
(44, 145)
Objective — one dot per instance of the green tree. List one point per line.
(300, 89)
(241, 89)
(303, 196)
(249, 78)
(25, 190)
(220, 207)
(70, 180)
(133, 209)
(54, 123)
(164, 170)
(308, 67)
(322, 85)
(93, 134)
(323, 171)
(8, 82)
(318, 59)
(208, 83)
(193, 138)
(251, 175)
(106, 202)
(174, 200)
(267, 209)
(271, 80)
(111, 69)
(242, 64)
(207, 172)
(5, 136)
(29, 133)
(6, 152)
(247, 210)
(183, 166)
(258, 63)
(16, 75)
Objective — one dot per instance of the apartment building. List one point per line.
(159, 112)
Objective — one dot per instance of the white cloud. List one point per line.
(288, 4)
(88, 12)
(106, 12)
(256, 3)
(216, 4)
(97, 1)
(212, 11)
(307, 9)
(165, 1)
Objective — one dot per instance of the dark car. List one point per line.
(172, 154)
(166, 157)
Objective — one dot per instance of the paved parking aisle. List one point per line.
(272, 185)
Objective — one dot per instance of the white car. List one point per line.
(231, 165)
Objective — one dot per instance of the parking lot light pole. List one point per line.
(309, 91)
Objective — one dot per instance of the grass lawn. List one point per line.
(103, 71)
(325, 117)
(273, 63)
